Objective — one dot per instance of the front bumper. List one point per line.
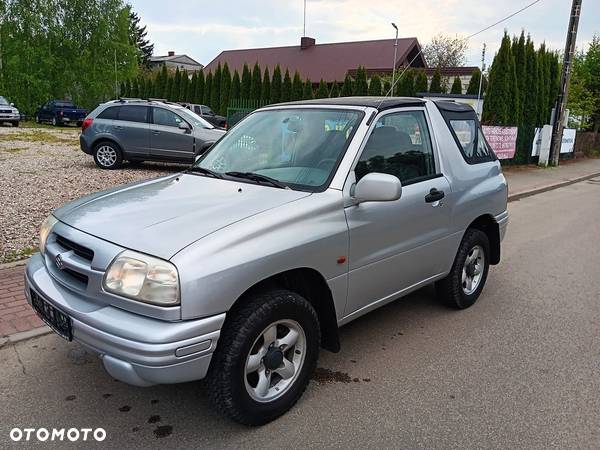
(135, 349)
(502, 221)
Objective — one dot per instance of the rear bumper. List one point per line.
(141, 351)
(85, 145)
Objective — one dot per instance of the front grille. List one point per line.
(79, 250)
(5, 111)
(78, 276)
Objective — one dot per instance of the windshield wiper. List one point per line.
(205, 171)
(253, 176)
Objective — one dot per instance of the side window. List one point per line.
(197, 110)
(399, 145)
(109, 113)
(474, 147)
(133, 113)
(165, 117)
(465, 130)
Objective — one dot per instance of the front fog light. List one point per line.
(144, 278)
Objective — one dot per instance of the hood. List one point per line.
(161, 217)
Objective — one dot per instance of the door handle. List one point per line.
(155, 132)
(434, 196)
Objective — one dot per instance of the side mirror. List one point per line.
(378, 187)
(12, 104)
(184, 126)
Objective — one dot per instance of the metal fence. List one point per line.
(240, 108)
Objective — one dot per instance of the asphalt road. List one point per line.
(520, 369)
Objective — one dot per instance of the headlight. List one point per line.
(45, 229)
(143, 278)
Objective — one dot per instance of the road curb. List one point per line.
(529, 193)
(10, 265)
(24, 335)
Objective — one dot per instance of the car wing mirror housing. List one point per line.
(377, 187)
(185, 126)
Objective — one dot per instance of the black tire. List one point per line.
(101, 162)
(226, 380)
(15, 123)
(55, 122)
(451, 290)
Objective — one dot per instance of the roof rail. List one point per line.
(125, 99)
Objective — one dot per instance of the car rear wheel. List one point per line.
(266, 354)
(54, 121)
(463, 285)
(108, 155)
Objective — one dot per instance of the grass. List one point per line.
(14, 149)
(39, 136)
(32, 124)
(17, 255)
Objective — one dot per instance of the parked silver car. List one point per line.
(302, 218)
(8, 113)
(145, 130)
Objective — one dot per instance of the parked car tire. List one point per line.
(15, 123)
(55, 122)
(266, 354)
(37, 119)
(463, 285)
(108, 155)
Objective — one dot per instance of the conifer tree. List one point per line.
(168, 92)
(322, 91)
(215, 89)
(360, 85)
(265, 94)
(208, 81)
(176, 86)
(405, 86)
(456, 86)
(255, 83)
(149, 88)
(246, 83)
(122, 89)
(387, 86)
(348, 86)
(191, 94)
(420, 82)
(473, 87)
(501, 106)
(276, 85)
(307, 91)
(526, 131)
(199, 92)
(518, 50)
(185, 81)
(286, 87)
(134, 89)
(236, 85)
(335, 89)
(225, 88)
(436, 82)
(375, 85)
(297, 87)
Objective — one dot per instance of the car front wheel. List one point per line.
(463, 285)
(107, 155)
(265, 357)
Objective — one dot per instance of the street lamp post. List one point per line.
(395, 52)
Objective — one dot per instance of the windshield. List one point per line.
(64, 105)
(3, 101)
(194, 118)
(297, 147)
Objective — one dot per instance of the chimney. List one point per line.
(171, 53)
(306, 42)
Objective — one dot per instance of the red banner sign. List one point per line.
(503, 140)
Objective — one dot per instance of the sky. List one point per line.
(202, 29)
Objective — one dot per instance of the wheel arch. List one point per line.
(311, 285)
(488, 225)
(100, 139)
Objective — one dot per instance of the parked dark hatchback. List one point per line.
(60, 112)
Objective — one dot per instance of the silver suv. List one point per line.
(145, 130)
(304, 217)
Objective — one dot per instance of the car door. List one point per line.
(45, 112)
(393, 246)
(132, 130)
(167, 140)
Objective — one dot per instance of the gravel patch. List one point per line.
(40, 170)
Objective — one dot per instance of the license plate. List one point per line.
(57, 320)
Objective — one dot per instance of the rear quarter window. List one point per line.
(110, 113)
